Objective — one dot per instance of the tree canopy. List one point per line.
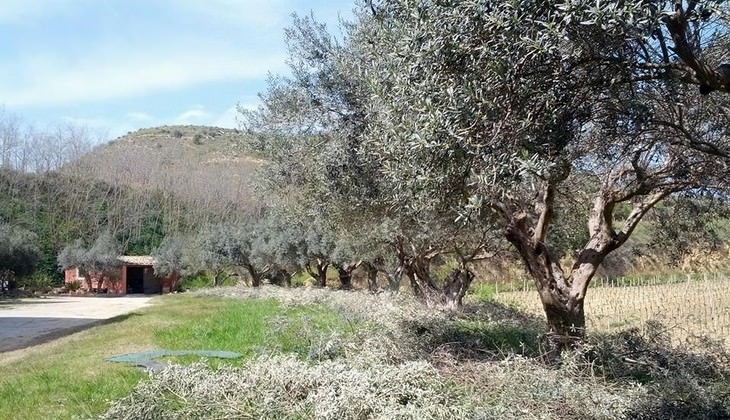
(458, 123)
(101, 258)
(19, 253)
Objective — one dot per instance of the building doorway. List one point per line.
(152, 284)
(135, 280)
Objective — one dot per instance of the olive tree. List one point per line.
(503, 107)
(317, 250)
(99, 259)
(230, 247)
(303, 127)
(676, 231)
(176, 254)
(310, 127)
(19, 254)
(294, 238)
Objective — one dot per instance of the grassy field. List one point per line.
(69, 377)
(688, 306)
(318, 353)
(400, 359)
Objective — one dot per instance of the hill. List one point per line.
(140, 187)
(203, 167)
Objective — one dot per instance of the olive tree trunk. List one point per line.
(393, 274)
(563, 295)
(280, 277)
(318, 272)
(394, 278)
(372, 275)
(457, 284)
(425, 288)
(418, 271)
(254, 274)
(345, 273)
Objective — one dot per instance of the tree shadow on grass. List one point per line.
(681, 382)
(17, 332)
(690, 381)
(481, 332)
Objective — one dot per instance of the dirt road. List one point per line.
(27, 322)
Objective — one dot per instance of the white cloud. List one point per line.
(262, 14)
(99, 129)
(138, 116)
(119, 62)
(227, 119)
(195, 115)
(86, 121)
(199, 115)
(53, 80)
(249, 103)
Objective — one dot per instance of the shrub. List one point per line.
(37, 283)
(195, 282)
(72, 286)
(100, 258)
(175, 255)
(19, 253)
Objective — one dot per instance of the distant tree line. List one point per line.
(46, 192)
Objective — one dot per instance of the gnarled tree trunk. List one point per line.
(372, 275)
(563, 296)
(425, 288)
(280, 277)
(319, 273)
(345, 273)
(394, 278)
(457, 283)
(254, 274)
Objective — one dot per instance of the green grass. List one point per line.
(298, 327)
(203, 281)
(482, 291)
(504, 339)
(199, 281)
(236, 325)
(70, 378)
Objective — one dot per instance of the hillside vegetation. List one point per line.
(202, 167)
(139, 188)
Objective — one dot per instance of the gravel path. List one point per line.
(27, 322)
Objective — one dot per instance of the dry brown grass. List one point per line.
(690, 307)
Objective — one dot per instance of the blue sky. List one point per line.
(119, 65)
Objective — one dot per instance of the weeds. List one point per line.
(36, 283)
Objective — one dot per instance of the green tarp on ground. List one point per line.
(146, 359)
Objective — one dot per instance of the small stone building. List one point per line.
(135, 276)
